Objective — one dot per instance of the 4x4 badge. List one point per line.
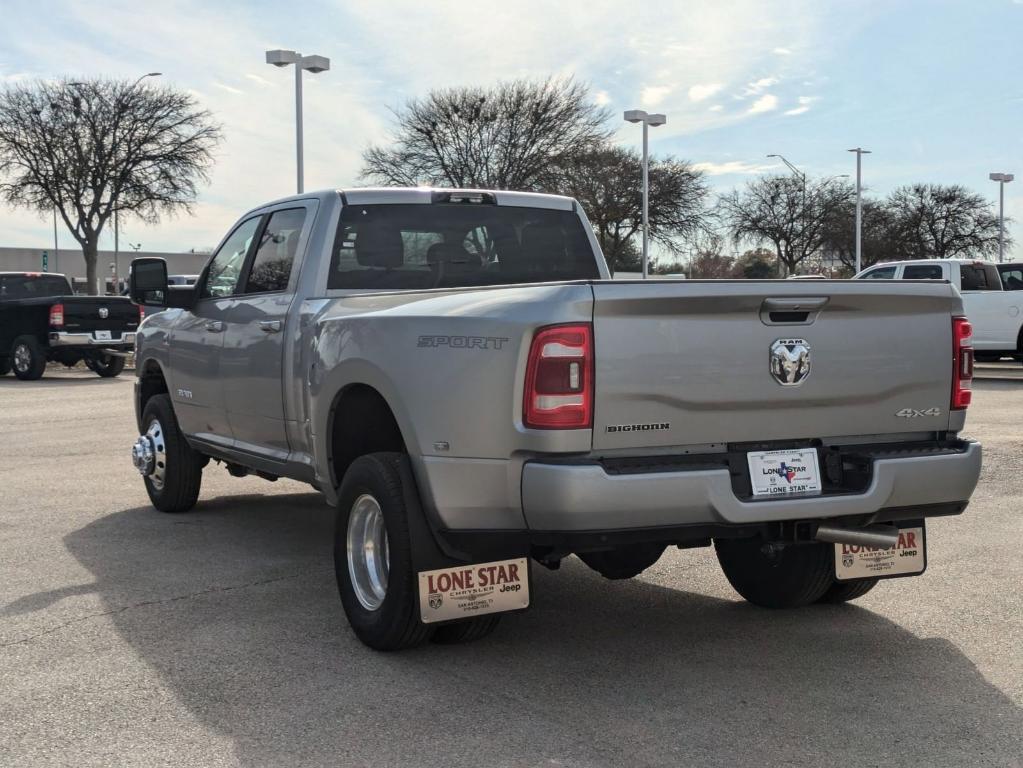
(790, 361)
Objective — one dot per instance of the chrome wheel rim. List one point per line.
(156, 437)
(22, 358)
(368, 556)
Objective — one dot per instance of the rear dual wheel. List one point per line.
(106, 366)
(785, 575)
(373, 560)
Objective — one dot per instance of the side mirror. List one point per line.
(148, 283)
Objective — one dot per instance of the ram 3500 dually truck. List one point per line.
(457, 374)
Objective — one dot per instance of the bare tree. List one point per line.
(786, 212)
(512, 136)
(941, 221)
(879, 234)
(96, 148)
(607, 181)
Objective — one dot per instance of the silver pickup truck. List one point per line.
(457, 374)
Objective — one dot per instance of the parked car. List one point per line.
(1012, 276)
(456, 372)
(40, 321)
(995, 314)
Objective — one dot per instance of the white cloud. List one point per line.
(228, 88)
(602, 98)
(258, 79)
(765, 103)
(705, 91)
(715, 108)
(782, 51)
(731, 167)
(654, 94)
(804, 105)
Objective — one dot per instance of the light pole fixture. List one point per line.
(648, 121)
(314, 64)
(860, 152)
(1002, 179)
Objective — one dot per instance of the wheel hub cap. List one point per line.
(22, 358)
(368, 555)
(149, 454)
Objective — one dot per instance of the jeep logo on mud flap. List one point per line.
(790, 361)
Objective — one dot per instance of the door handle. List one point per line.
(214, 326)
(270, 326)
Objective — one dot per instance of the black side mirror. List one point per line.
(148, 284)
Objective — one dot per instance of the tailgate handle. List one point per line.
(791, 311)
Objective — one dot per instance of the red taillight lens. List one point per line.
(962, 362)
(142, 313)
(559, 378)
(57, 315)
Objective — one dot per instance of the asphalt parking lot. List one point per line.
(216, 638)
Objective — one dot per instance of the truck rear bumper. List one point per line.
(585, 497)
(65, 339)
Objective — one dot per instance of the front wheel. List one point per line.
(171, 469)
(373, 553)
(28, 358)
(107, 366)
(776, 575)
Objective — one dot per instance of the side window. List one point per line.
(978, 277)
(271, 268)
(882, 273)
(1012, 278)
(226, 266)
(922, 272)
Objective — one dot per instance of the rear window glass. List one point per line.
(1012, 278)
(447, 245)
(31, 286)
(979, 277)
(883, 273)
(922, 272)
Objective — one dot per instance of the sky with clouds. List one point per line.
(932, 87)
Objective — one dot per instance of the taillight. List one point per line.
(559, 378)
(142, 313)
(57, 315)
(962, 362)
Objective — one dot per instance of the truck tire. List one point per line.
(378, 593)
(5, 366)
(787, 576)
(174, 483)
(843, 591)
(28, 358)
(467, 631)
(624, 562)
(106, 367)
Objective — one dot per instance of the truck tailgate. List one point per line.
(689, 362)
(98, 313)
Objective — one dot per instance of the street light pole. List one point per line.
(859, 205)
(56, 251)
(802, 177)
(314, 64)
(1002, 179)
(639, 116)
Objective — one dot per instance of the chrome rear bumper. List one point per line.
(65, 339)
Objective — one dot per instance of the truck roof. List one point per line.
(33, 273)
(427, 195)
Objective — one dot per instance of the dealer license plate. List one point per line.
(473, 590)
(785, 473)
(907, 558)
(102, 335)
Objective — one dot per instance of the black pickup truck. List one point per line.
(41, 320)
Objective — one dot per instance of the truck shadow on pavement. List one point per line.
(235, 606)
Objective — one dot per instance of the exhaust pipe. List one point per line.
(878, 536)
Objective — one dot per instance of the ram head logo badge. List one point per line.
(790, 361)
(104, 313)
